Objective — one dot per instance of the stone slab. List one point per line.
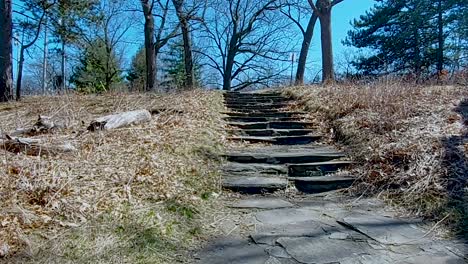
(387, 230)
(322, 250)
(254, 184)
(262, 203)
(233, 251)
(254, 167)
(269, 234)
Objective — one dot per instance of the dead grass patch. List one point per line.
(410, 140)
(132, 195)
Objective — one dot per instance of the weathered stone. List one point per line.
(247, 119)
(317, 168)
(268, 233)
(282, 140)
(287, 216)
(233, 251)
(270, 132)
(321, 184)
(278, 157)
(254, 184)
(239, 168)
(322, 250)
(273, 125)
(262, 203)
(386, 230)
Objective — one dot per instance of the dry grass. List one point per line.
(410, 141)
(132, 195)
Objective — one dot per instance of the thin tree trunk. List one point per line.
(149, 46)
(440, 39)
(305, 49)
(44, 62)
(188, 57)
(328, 74)
(19, 78)
(6, 51)
(62, 67)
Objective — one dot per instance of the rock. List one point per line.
(233, 251)
(322, 183)
(321, 250)
(254, 184)
(262, 203)
(238, 168)
(386, 230)
(4, 249)
(269, 234)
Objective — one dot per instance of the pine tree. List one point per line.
(98, 71)
(174, 67)
(406, 36)
(137, 73)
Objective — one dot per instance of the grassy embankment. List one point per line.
(140, 194)
(411, 142)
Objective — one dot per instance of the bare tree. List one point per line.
(186, 36)
(244, 36)
(36, 26)
(6, 57)
(323, 9)
(156, 39)
(111, 29)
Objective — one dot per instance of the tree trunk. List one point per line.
(44, 61)
(149, 46)
(188, 57)
(6, 51)
(227, 77)
(19, 78)
(62, 66)
(328, 74)
(440, 38)
(305, 49)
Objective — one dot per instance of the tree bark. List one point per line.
(440, 38)
(149, 46)
(305, 49)
(328, 74)
(19, 78)
(6, 51)
(188, 54)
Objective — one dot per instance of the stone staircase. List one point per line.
(267, 221)
(290, 156)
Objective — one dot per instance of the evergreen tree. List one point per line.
(174, 67)
(406, 36)
(137, 73)
(98, 71)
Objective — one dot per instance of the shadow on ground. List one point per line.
(456, 164)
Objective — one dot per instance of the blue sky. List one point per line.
(342, 15)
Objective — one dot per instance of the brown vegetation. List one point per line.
(410, 141)
(129, 195)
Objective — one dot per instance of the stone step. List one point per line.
(297, 156)
(257, 114)
(273, 125)
(253, 95)
(258, 168)
(258, 111)
(257, 99)
(317, 168)
(247, 119)
(284, 140)
(321, 184)
(254, 184)
(270, 132)
(257, 106)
